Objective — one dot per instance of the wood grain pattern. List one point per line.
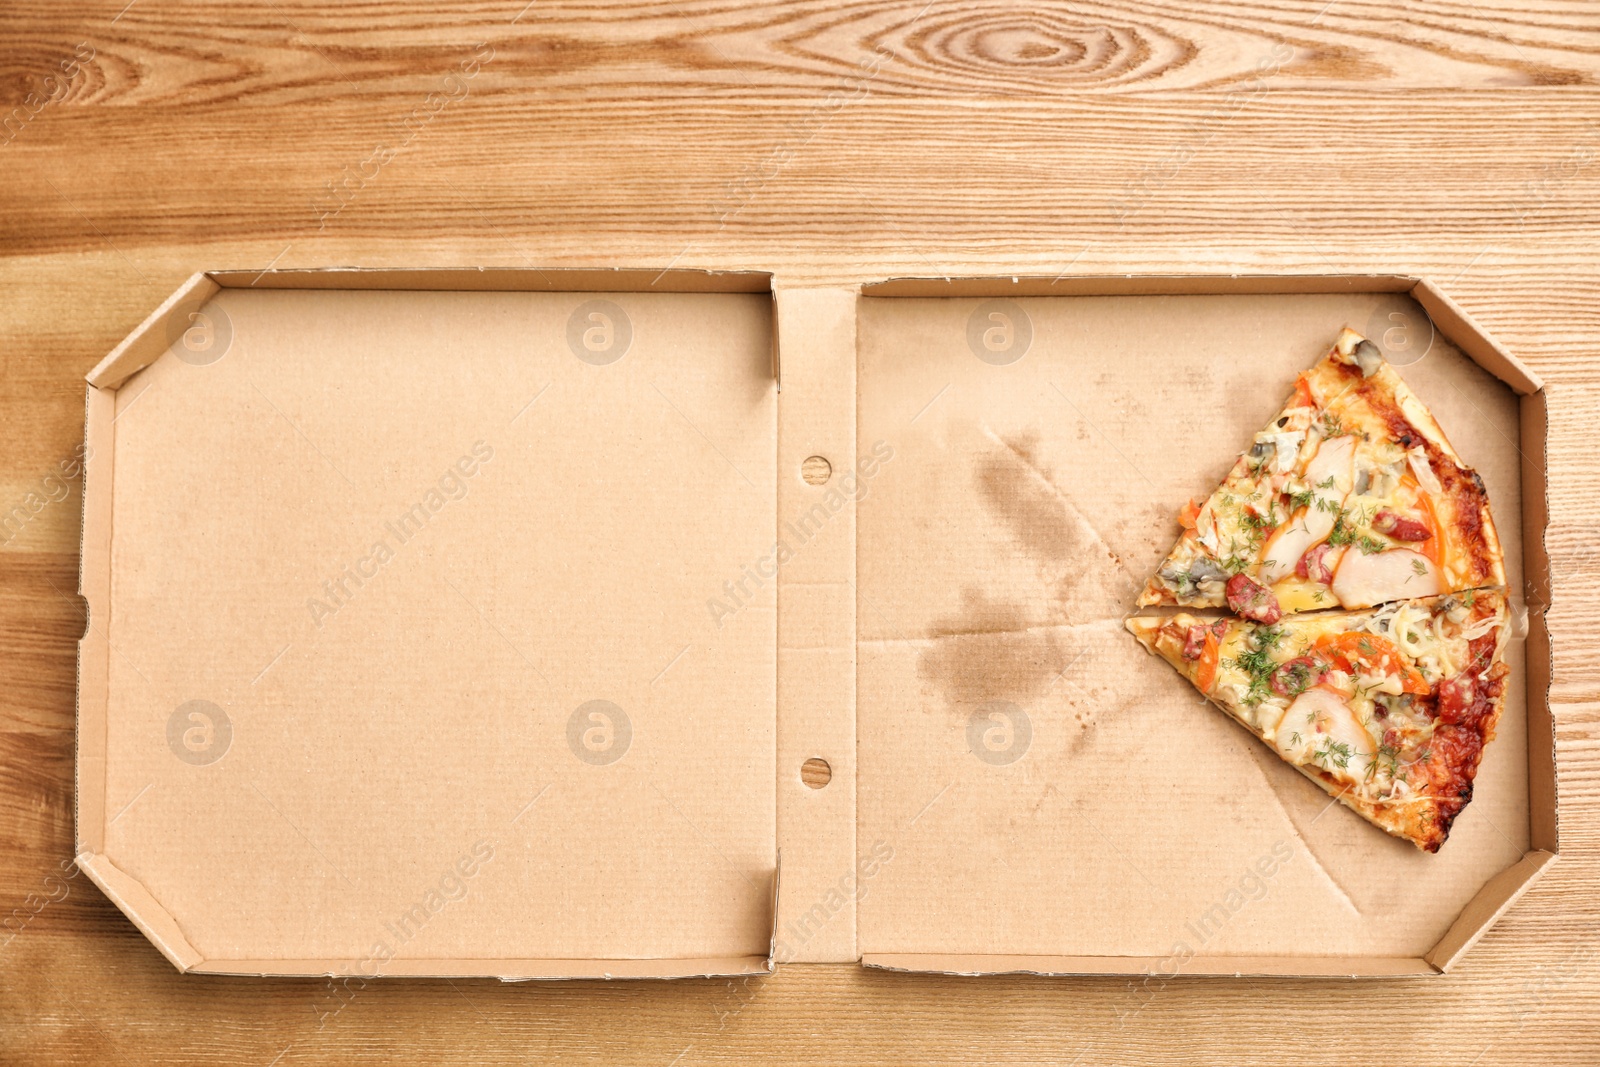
(829, 140)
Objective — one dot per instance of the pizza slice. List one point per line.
(1350, 497)
(1387, 709)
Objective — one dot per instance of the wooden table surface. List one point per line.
(827, 140)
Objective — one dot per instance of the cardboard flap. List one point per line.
(147, 913)
(164, 326)
(1140, 285)
(94, 647)
(1535, 429)
(507, 970)
(1156, 970)
(499, 279)
(516, 970)
(820, 481)
(1544, 816)
(1491, 902)
(1488, 353)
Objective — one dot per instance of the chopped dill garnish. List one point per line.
(1257, 662)
(1251, 521)
(1334, 752)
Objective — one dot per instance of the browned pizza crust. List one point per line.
(1473, 545)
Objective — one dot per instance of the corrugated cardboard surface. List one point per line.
(512, 619)
(814, 565)
(414, 771)
(1047, 788)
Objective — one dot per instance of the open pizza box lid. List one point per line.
(480, 623)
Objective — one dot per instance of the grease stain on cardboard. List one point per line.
(994, 648)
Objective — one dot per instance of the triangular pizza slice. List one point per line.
(1387, 709)
(1350, 497)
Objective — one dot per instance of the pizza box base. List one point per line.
(552, 724)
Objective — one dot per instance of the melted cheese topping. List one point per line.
(1359, 727)
(1314, 476)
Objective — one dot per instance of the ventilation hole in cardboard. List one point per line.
(816, 470)
(816, 773)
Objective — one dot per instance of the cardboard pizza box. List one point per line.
(514, 622)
